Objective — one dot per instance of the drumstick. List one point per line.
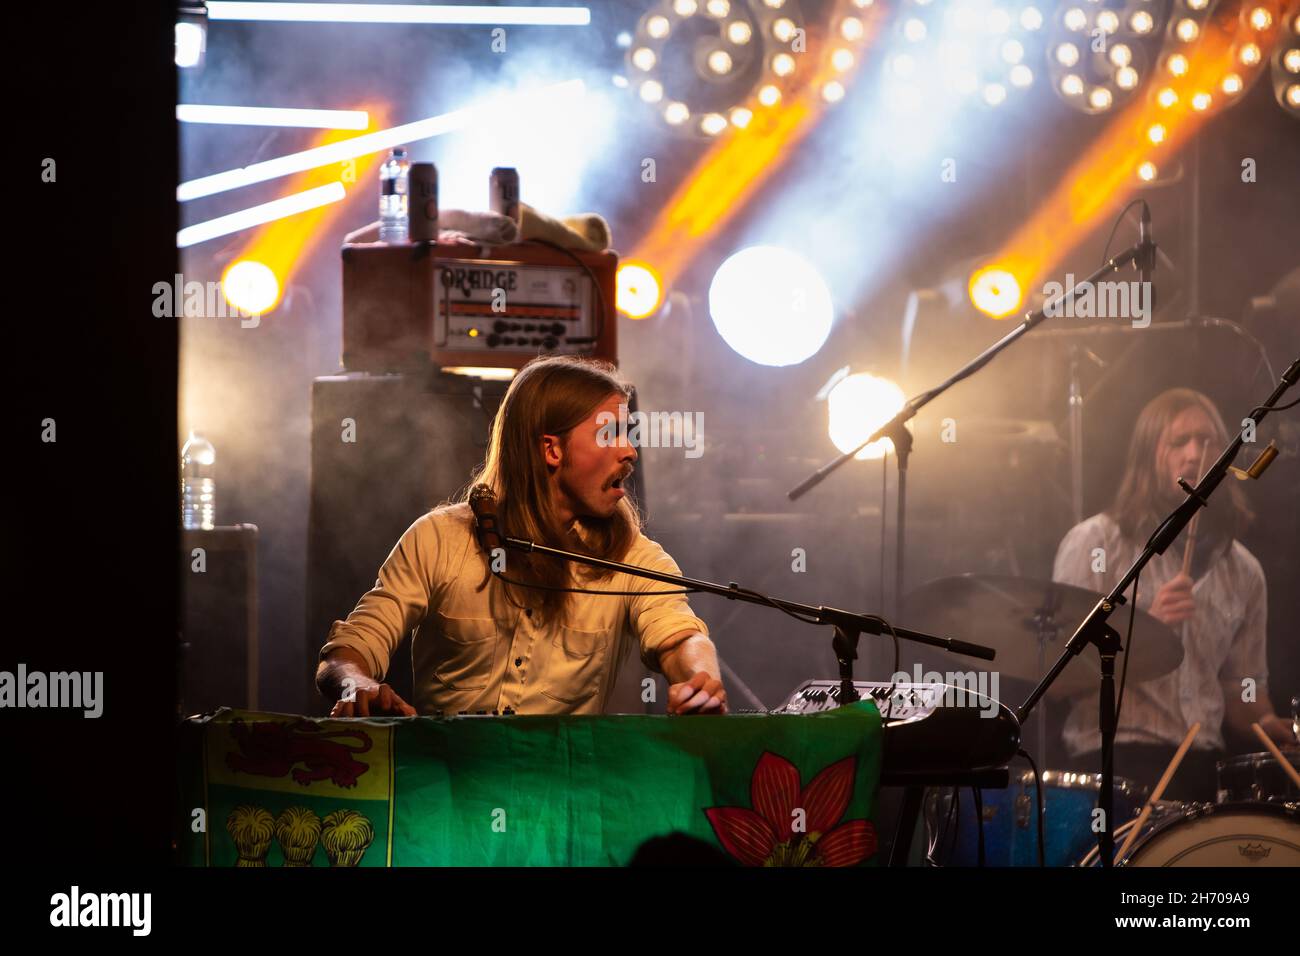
(1160, 789)
(1190, 548)
(1277, 754)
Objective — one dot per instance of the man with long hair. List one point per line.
(529, 646)
(1220, 609)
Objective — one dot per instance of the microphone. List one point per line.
(1146, 261)
(483, 502)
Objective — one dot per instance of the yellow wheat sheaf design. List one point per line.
(346, 835)
(251, 829)
(297, 830)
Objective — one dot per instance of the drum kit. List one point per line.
(1254, 821)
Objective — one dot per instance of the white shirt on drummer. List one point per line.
(1223, 641)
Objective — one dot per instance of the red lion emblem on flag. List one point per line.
(276, 750)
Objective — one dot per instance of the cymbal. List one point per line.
(1003, 612)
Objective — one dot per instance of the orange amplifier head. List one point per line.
(458, 305)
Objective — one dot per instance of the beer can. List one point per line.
(503, 191)
(423, 191)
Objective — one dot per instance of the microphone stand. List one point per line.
(1094, 629)
(848, 624)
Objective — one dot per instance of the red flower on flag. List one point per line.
(774, 833)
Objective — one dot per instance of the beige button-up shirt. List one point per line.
(1223, 641)
(475, 650)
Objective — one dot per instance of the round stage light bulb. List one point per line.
(1293, 95)
(833, 91)
(1249, 54)
(1187, 29)
(774, 4)
(1021, 76)
(1291, 60)
(1013, 51)
(995, 94)
(657, 26)
(1067, 54)
(1197, 4)
(720, 62)
(1201, 101)
(783, 29)
(652, 91)
(1121, 55)
(1147, 171)
(1141, 22)
(914, 30)
(718, 8)
(685, 8)
(851, 28)
(998, 20)
(677, 113)
(251, 286)
(769, 95)
(1075, 19)
(1231, 84)
(1260, 18)
(1177, 64)
(842, 60)
(637, 290)
(739, 32)
(1071, 84)
(1100, 98)
(1167, 97)
(1126, 78)
(1031, 18)
(1108, 21)
(713, 123)
(771, 306)
(855, 407)
(995, 292)
(783, 64)
(740, 117)
(1156, 133)
(643, 58)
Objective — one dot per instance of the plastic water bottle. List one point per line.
(198, 493)
(394, 187)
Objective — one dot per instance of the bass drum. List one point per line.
(1225, 834)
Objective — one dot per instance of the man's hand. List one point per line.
(702, 694)
(1278, 729)
(1174, 602)
(372, 700)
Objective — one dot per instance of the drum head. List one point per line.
(1229, 834)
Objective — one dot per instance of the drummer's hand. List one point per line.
(702, 694)
(373, 700)
(1278, 729)
(1174, 603)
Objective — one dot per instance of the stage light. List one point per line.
(1231, 84)
(190, 40)
(994, 291)
(1187, 30)
(1121, 55)
(995, 94)
(856, 406)
(652, 91)
(1107, 46)
(1141, 22)
(259, 215)
(1067, 54)
(658, 27)
(771, 306)
(998, 20)
(1075, 19)
(711, 124)
(1202, 101)
(1249, 54)
(1167, 97)
(411, 13)
(643, 58)
(718, 8)
(1147, 171)
(833, 91)
(273, 116)
(740, 117)
(1071, 84)
(1177, 65)
(783, 64)
(1261, 19)
(1293, 95)
(676, 113)
(769, 95)
(720, 62)
(378, 141)
(914, 30)
(783, 29)
(842, 60)
(1021, 76)
(1100, 98)
(1291, 61)
(739, 32)
(1126, 78)
(637, 290)
(1156, 133)
(851, 28)
(1013, 51)
(1197, 4)
(251, 286)
(685, 8)
(1031, 18)
(1107, 21)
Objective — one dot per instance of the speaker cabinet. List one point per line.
(218, 653)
